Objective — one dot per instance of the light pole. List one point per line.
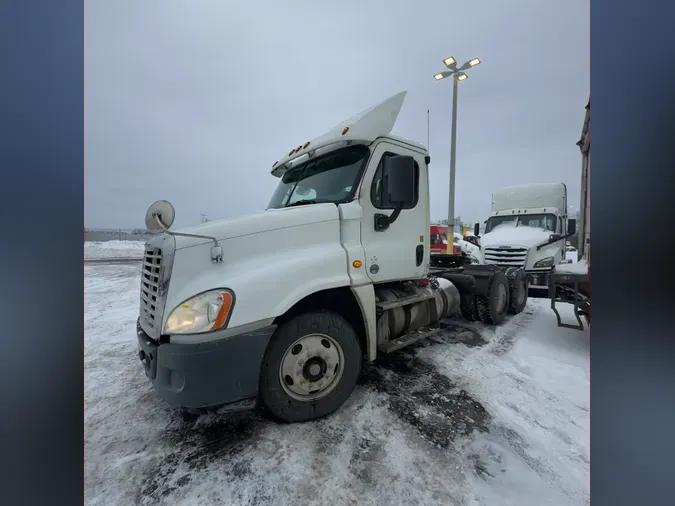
(457, 75)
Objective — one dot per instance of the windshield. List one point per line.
(439, 239)
(543, 221)
(329, 178)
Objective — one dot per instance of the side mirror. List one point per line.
(571, 226)
(159, 217)
(398, 178)
(476, 229)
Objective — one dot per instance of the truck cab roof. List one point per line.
(364, 128)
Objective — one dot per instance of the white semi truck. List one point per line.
(226, 320)
(527, 228)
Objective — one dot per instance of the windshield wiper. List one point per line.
(301, 203)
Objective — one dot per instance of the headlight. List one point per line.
(202, 313)
(544, 262)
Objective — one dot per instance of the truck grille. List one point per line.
(155, 276)
(150, 283)
(508, 257)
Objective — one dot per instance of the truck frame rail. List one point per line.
(571, 289)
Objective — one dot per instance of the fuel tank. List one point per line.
(401, 320)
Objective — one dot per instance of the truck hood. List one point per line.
(256, 223)
(524, 237)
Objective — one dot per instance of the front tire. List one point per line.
(310, 367)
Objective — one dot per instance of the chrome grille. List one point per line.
(508, 257)
(150, 280)
(155, 274)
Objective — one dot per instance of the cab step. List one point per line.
(410, 338)
(404, 301)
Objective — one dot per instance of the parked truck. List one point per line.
(570, 283)
(224, 320)
(438, 237)
(528, 227)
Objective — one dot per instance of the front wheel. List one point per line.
(310, 367)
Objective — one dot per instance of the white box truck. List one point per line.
(225, 320)
(527, 228)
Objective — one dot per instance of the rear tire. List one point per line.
(310, 367)
(519, 287)
(468, 308)
(493, 307)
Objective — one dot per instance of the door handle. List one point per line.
(419, 255)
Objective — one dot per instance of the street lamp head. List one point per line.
(470, 63)
(442, 75)
(450, 62)
(461, 76)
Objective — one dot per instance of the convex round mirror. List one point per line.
(163, 211)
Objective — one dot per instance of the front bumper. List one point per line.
(538, 279)
(219, 372)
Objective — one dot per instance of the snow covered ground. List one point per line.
(97, 250)
(478, 416)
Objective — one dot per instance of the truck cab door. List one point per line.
(400, 251)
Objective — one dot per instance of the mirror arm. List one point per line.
(554, 240)
(382, 221)
(216, 251)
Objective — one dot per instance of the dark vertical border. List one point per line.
(633, 332)
(41, 187)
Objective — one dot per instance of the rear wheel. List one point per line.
(468, 308)
(518, 289)
(310, 367)
(493, 307)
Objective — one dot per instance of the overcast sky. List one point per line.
(192, 101)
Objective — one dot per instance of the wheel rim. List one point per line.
(311, 367)
(501, 297)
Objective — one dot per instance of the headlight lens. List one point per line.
(544, 262)
(202, 313)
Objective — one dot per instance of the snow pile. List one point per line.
(97, 250)
(538, 395)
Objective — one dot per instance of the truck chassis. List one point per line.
(571, 289)
(478, 286)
